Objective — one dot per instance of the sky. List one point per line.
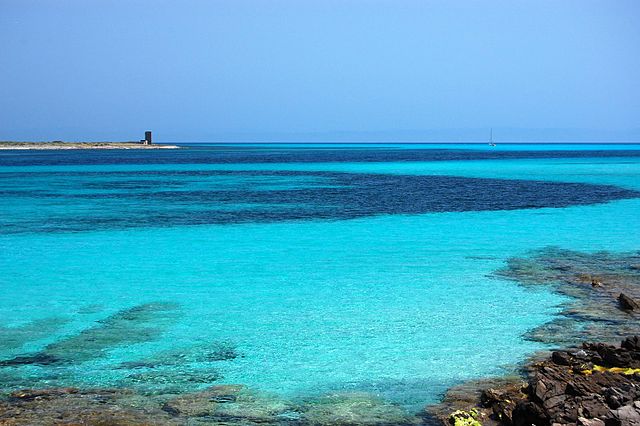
(319, 70)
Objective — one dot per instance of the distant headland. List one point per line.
(145, 143)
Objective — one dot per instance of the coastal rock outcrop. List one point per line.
(593, 385)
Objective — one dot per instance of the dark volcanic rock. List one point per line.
(597, 385)
(631, 343)
(528, 413)
(561, 358)
(627, 303)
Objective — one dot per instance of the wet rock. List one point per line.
(627, 303)
(610, 356)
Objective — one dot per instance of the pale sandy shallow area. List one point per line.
(80, 145)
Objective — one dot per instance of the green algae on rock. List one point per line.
(464, 418)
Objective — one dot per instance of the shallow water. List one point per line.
(297, 271)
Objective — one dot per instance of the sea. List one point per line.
(296, 270)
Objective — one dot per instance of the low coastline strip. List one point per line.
(59, 145)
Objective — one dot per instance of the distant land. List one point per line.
(59, 145)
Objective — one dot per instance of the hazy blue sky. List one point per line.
(302, 69)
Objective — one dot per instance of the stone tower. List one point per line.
(147, 137)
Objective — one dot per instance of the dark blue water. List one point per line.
(274, 153)
(88, 201)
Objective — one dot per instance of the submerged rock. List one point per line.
(139, 324)
(203, 403)
(69, 406)
(598, 284)
(166, 377)
(15, 337)
(201, 353)
(355, 409)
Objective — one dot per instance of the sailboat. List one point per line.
(491, 138)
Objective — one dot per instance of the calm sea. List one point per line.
(297, 270)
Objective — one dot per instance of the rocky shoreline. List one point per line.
(585, 384)
(59, 145)
(593, 385)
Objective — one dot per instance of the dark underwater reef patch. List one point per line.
(199, 353)
(339, 196)
(180, 368)
(139, 324)
(593, 282)
(16, 337)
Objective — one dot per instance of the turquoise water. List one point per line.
(398, 304)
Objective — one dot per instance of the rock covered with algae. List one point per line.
(464, 418)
